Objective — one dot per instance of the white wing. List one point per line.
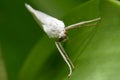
(52, 26)
(83, 23)
(42, 17)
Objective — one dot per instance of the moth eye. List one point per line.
(62, 39)
(66, 32)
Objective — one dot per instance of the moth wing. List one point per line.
(42, 18)
(82, 24)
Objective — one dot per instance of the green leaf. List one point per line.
(30, 55)
(36, 59)
(97, 57)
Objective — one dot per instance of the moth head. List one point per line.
(63, 36)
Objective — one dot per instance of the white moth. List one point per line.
(56, 29)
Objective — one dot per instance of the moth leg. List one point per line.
(65, 57)
(83, 23)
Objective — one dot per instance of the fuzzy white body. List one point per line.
(52, 26)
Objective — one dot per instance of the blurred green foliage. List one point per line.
(30, 55)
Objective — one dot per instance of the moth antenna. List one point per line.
(65, 57)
